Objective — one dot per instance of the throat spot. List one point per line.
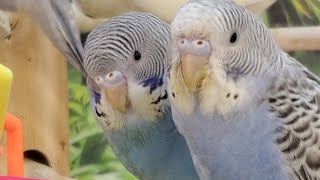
(228, 98)
(235, 96)
(103, 116)
(161, 97)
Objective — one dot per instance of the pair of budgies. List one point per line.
(246, 109)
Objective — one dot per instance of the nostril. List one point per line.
(201, 47)
(182, 43)
(98, 80)
(115, 77)
(111, 79)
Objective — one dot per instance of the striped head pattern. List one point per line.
(126, 58)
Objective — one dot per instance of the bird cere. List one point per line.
(209, 95)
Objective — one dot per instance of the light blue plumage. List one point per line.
(247, 109)
(132, 49)
(124, 61)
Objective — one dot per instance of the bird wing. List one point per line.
(295, 98)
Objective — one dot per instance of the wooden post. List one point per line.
(39, 94)
(298, 38)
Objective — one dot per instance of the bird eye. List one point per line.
(233, 38)
(137, 55)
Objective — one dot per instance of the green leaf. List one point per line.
(84, 135)
(301, 7)
(96, 143)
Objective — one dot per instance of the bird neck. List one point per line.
(144, 135)
(157, 143)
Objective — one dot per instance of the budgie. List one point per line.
(124, 62)
(246, 109)
(127, 56)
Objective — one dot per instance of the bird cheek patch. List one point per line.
(141, 101)
(222, 96)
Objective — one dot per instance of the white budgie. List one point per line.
(246, 108)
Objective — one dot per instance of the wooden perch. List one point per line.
(298, 38)
(5, 29)
(165, 9)
(85, 23)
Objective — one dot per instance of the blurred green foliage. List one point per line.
(294, 13)
(91, 156)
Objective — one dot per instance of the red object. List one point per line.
(13, 127)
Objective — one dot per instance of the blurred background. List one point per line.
(92, 158)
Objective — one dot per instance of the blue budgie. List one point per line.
(247, 109)
(124, 61)
(127, 56)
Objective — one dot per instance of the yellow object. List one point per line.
(5, 88)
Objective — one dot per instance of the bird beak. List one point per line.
(117, 96)
(193, 70)
(114, 87)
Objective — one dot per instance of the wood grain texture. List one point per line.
(39, 92)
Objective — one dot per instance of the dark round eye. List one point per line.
(233, 38)
(137, 55)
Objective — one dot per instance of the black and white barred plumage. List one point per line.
(120, 37)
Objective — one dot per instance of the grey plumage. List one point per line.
(253, 112)
(125, 35)
(294, 98)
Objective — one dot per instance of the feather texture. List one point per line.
(255, 114)
(143, 137)
(294, 99)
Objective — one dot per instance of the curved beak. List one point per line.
(193, 70)
(114, 87)
(194, 54)
(117, 96)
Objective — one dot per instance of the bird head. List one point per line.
(126, 58)
(215, 46)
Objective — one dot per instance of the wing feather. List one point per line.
(295, 98)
